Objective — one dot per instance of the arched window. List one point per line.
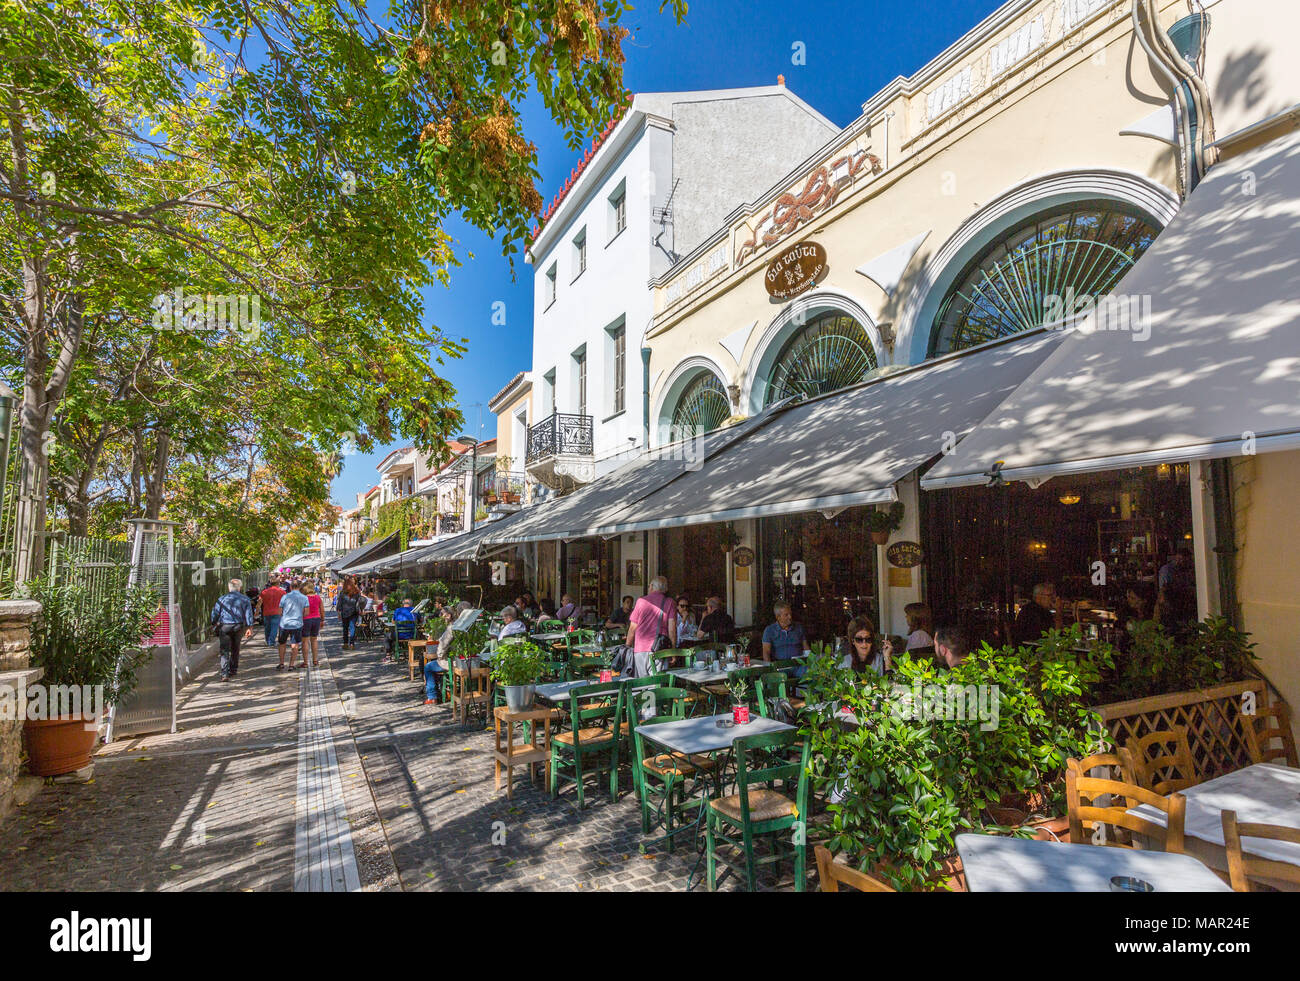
(832, 352)
(702, 407)
(1084, 247)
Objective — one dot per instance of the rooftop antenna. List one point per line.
(664, 216)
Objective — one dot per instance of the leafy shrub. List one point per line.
(517, 663)
(91, 633)
(1213, 652)
(903, 783)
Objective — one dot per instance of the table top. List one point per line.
(1263, 793)
(701, 676)
(996, 864)
(553, 635)
(589, 649)
(702, 734)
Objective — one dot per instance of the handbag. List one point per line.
(662, 641)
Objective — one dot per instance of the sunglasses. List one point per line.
(862, 638)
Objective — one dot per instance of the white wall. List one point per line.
(613, 288)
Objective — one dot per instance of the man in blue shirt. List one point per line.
(231, 615)
(292, 608)
(785, 638)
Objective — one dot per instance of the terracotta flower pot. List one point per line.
(1051, 829)
(880, 537)
(57, 746)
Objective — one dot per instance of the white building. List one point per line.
(657, 183)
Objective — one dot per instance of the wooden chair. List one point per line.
(1272, 722)
(660, 778)
(773, 685)
(832, 874)
(762, 810)
(1120, 763)
(596, 717)
(1163, 761)
(1085, 815)
(1242, 867)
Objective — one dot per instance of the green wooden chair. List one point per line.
(596, 720)
(660, 779)
(755, 810)
(774, 684)
(549, 626)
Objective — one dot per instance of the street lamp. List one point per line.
(473, 478)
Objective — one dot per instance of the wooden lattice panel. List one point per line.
(1213, 719)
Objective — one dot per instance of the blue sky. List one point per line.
(850, 51)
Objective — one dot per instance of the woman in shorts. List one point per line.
(311, 622)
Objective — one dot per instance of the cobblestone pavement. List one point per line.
(212, 806)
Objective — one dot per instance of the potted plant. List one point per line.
(90, 642)
(516, 667)
(739, 689)
(881, 523)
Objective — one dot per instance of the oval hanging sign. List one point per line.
(905, 555)
(797, 269)
(744, 555)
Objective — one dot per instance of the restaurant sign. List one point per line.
(796, 270)
(743, 556)
(905, 555)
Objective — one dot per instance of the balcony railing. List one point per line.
(503, 487)
(560, 434)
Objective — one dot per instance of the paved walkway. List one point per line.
(335, 780)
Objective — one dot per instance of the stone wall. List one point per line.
(15, 673)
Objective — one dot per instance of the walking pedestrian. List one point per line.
(292, 608)
(271, 597)
(232, 615)
(349, 605)
(311, 622)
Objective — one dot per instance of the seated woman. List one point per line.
(919, 630)
(510, 623)
(435, 666)
(686, 626)
(862, 651)
(548, 609)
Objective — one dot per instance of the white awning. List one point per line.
(845, 449)
(841, 450)
(1214, 371)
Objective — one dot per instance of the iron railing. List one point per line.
(558, 434)
(506, 487)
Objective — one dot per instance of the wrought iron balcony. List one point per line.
(560, 450)
(503, 487)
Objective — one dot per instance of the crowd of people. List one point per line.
(292, 611)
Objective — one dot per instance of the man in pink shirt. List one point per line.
(654, 614)
(271, 597)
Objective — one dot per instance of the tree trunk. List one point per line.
(158, 479)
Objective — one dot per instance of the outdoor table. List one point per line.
(995, 864)
(703, 735)
(700, 676)
(552, 636)
(589, 649)
(1263, 793)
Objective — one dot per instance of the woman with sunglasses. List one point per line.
(863, 653)
(686, 626)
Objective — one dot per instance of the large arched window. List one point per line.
(1085, 247)
(702, 407)
(832, 352)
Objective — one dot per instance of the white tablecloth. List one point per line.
(1264, 793)
(996, 864)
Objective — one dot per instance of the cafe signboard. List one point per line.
(796, 270)
(905, 555)
(743, 556)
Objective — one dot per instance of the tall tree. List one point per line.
(300, 159)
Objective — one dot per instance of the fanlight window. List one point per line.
(703, 407)
(832, 352)
(1076, 250)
